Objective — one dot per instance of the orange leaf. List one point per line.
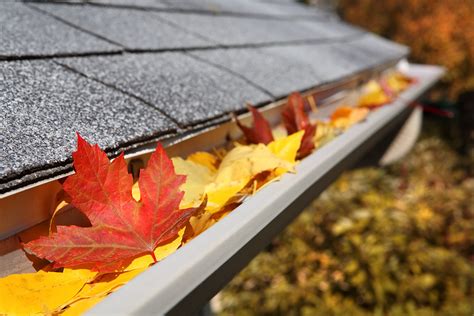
(341, 112)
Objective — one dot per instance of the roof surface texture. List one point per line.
(124, 73)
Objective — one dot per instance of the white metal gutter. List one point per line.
(181, 283)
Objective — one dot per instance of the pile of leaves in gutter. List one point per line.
(133, 223)
(386, 241)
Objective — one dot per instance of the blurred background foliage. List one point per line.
(438, 32)
(384, 241)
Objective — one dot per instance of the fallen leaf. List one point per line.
(235, 172)
(197, 177)
(237, 169)
(373, 96)
(341, 112)
(287, 148)
(81, 306)
(307, 144)
(122, 228)
(293, 115)
(260, 132)
(397, 82)
(101, 287)
(40, 292)
(324, 134)
(345, 116)
(206, 159)
(161, 252)
(198, 224)
(295, 119)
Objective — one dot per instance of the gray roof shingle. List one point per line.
(126, 73)
(375, 49)
(275, 73)
(43, 105)
(187, 90)
(232, 30)
(156, 4)
(286, 68)
(133, 29)
(328, 62)
(25, 32)
(246, 7)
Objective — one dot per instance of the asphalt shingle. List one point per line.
(376, 49)
(26, 32)
(188, 90)
(276, 73)
(134, 29)
(155, 4)
(332, 28)
(246, 7)
(283, 69)
(328, 62)
(43, 104)
(230, 30)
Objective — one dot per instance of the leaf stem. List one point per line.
(152, 253)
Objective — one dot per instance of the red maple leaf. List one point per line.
(295, 119)
(122, 228)
(260, 132)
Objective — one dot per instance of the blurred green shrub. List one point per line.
(396, 241)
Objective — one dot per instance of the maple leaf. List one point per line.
(122, 228)
(260, 132)
(295, 119)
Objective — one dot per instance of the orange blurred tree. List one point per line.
(438, 32)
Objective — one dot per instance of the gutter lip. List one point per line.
(183, 281)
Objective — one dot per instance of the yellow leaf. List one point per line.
(237, 168)
(81, 306)
(40, 292)
(198, 224)
(286, 148)
(94, 292)
(325, 132)
(373, 95)
(244, 162)
(197, 177)
(219, 194)
(204, 158)
(398, 81)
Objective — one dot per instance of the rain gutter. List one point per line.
(183, 282)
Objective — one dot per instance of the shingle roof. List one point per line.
(127, 73)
